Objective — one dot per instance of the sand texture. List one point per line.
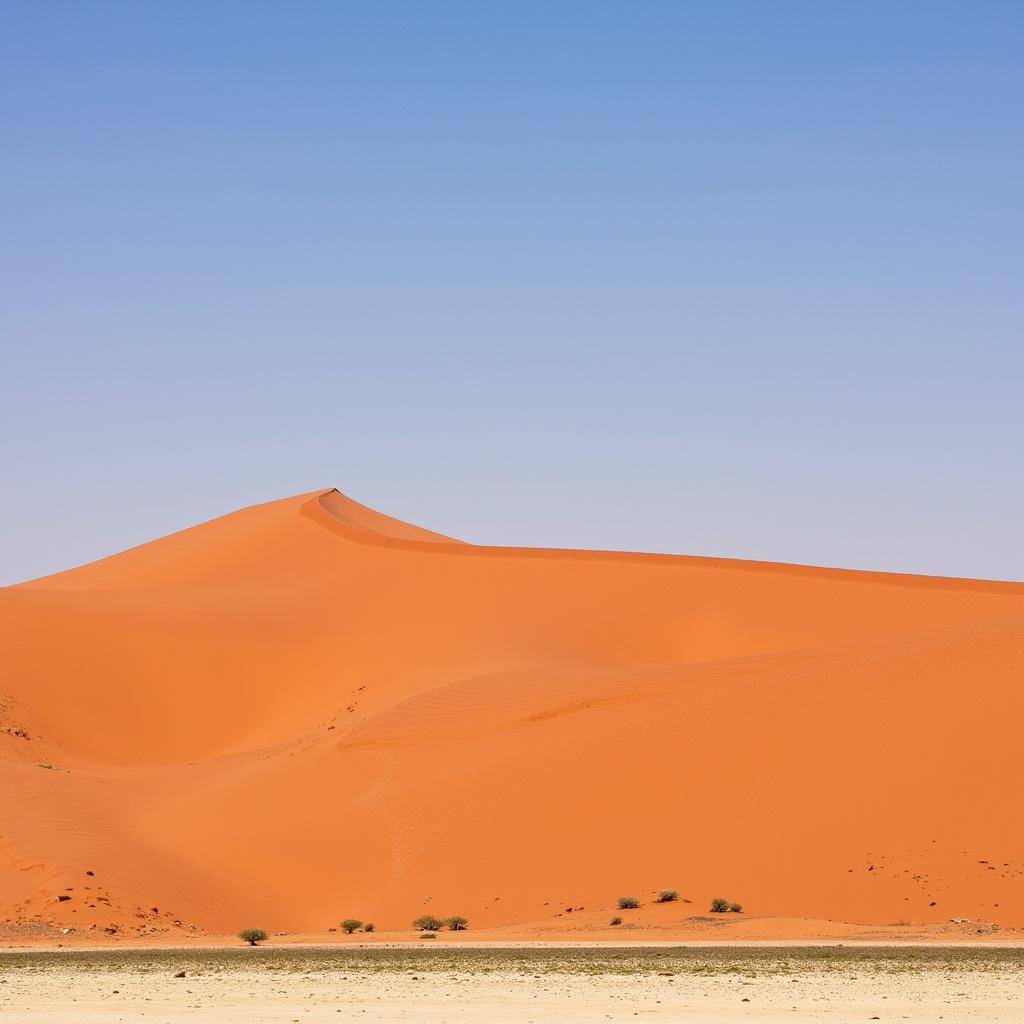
(307, 710)
(587, 986)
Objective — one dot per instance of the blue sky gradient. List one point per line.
(724, 278)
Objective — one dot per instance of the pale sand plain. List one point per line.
(524, 984)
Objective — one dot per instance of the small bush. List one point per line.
(736, 908)
(615, 921)
(719, 906)
(628, 903)
(368, 927)
(429, 935)
(456, 924)
(667, 896)
(350, 924)
(428, 923)
(252, 935)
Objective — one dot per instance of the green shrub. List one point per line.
(736, 908)
(614, 921)
(368, 927)
(667, 896)
(719, 906)
(628, 903)
(350, 924)
(428, 923)
(252, 935)
(456, 924)
(429, 935)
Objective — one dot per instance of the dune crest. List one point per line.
(308, 709)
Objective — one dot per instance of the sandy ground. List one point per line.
(307, 711)
(586, 930)
(646, 926)
(521, 985)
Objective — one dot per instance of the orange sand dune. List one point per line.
(307, 710)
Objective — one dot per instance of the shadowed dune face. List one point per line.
(307, 709)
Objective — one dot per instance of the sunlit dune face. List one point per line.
(312, 709)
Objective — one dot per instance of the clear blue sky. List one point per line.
(717, 278)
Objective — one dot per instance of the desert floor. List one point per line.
(523, 984)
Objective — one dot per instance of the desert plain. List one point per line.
(716, 985)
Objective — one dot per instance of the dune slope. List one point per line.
(306, 710)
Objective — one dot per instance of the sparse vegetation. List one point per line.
(368, 927)
(667, 896)
(252, 935)
(719, 906)
(456, 924)
(628, 903)
(615, 921)
(736, 908)
(428, 923)
(351, 924)
(429, 935)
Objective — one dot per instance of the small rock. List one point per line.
(180, 974)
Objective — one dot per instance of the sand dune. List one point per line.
(306, 710)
